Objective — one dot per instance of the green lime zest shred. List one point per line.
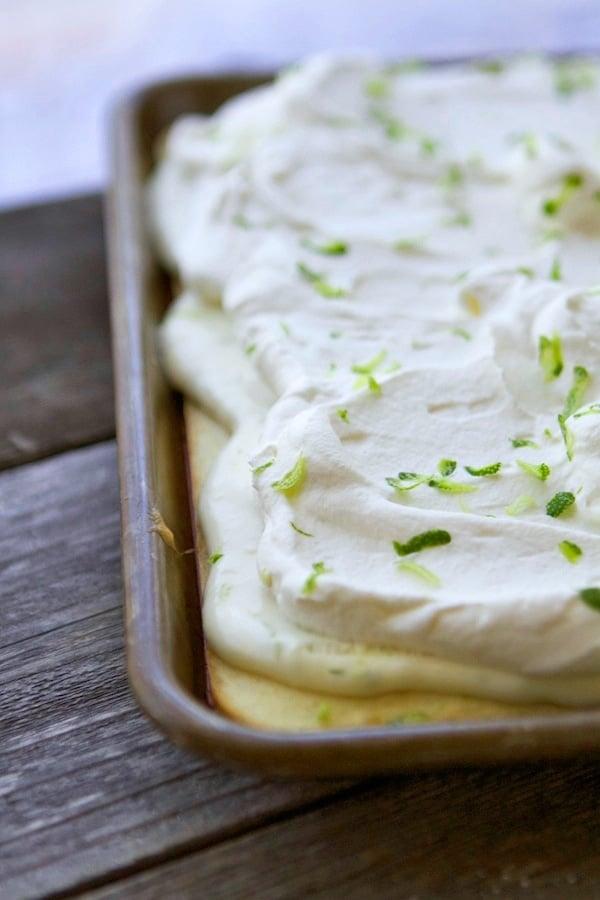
(377, 88)
(319, 282)
(463, 333)
(451, 487)
(261, 468)
(324, 714)
(214, 558)
(413, 568)
(406, 481)
(327, 290)
(523, 442)
(241, 221)
(529, 142)
(393, 128)
(301, 530)
(550, 356)
(409, 245)
(561, 501)
(484, 471)
(490, 66)
(310, 584)
(293, 480)
(446, 467)
(453, 176)
(556, 270)
(522, 504)
(572, 182)
(574, 399)
(567, 436)
(436, 537)
(573, 75)
(461, 219)
(571, 552)
(540, 471)
(331, 248)
(429, 145)
(373, 385)
(592, 410)
(369, 367)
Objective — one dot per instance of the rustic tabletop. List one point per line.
(93, 800)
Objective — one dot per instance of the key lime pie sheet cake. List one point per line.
(388, 332)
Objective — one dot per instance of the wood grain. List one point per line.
(521, 834)
(88, 788)
(55, 365)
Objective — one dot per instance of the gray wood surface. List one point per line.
(55, 364)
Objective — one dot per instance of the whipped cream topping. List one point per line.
(389, 299)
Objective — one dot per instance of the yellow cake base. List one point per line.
(263, 703)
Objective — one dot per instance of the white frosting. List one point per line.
(469, 209)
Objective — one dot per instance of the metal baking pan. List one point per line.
(162, 599)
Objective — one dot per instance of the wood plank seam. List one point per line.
(224, 836)
(70, 819)
(56, 370)
(86, 656)
(102, 437)
(114, 717)
(34, 782)
(60, 627)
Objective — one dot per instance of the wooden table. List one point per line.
(92, 798)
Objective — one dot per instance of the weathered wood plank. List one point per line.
(522, 834)
(59, 545)
(88, 788)
(55, 366)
